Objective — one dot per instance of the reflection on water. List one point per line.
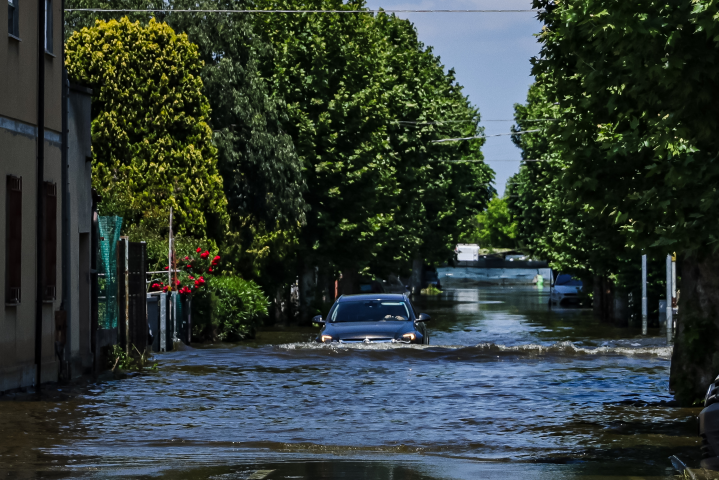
(509, 388)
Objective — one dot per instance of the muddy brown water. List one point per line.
(508, 388)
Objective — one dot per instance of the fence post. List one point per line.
(163, 322)
(644, 294)
(670, 319)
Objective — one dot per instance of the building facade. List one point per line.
(64, 333)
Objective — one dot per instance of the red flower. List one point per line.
(167, 268)
(191, 277)
(187, 258)
(198, 250)
(216, 259)
(205, 254)
(210, 269)
(177, 282)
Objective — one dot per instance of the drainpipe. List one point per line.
(66, 241)
(40, 203)
(644, 294)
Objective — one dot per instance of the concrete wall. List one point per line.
(80, 200)
(18, 69)
(17, 323)
(18, 121)
(467, 276)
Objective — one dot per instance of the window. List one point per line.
(13, 11)
(370, 311)
(13, 239)
(50, 271)
(48, 25)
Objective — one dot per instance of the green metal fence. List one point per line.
(107, 278)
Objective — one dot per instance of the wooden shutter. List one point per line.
(50, 270)
(13, 240)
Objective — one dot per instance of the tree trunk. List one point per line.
(349, 283)
(308, 284)
(695, 360)
(416, 279)
(603, 299)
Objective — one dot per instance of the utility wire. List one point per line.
(485, 160)
(164, 10)
(467, 121)
(483, 136)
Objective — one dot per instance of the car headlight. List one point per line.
(326, 338)
(409, 337)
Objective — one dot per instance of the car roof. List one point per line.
(371, 296)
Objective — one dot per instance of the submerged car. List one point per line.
(565, 290)
(373, 318)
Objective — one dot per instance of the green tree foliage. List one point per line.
(152, 144)
(634, 82)
(438, 195)
(551, 224)
(263, 179)
(379, 192)
(228, 308)
(495, 226)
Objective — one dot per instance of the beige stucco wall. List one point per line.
(18, 69)
(18, 101)
(17, 323)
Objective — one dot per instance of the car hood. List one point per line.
(362, 330)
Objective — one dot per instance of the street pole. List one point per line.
(670, 320)
(674, 283)
(644, 294)
(40, 205)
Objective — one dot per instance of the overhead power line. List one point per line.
(439, 122)
(164, 10)
(490, 160)
(446, 140)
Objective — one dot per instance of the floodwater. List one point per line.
(508, 388)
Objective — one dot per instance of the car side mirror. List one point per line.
(318, 319)
(423, 317)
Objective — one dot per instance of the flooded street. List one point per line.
(508, 388)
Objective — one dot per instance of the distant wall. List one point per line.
(470, 276)
(490, 262)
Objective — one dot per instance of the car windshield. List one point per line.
(370, 311)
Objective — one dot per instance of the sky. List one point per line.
(490, 53)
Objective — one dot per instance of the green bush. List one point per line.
(229, 308)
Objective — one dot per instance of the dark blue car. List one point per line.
(373, 318)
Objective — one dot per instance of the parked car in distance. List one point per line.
(565, 290)
(373, 318)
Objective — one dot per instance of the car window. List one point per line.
(370, 311)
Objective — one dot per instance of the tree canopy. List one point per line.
(363, 95)
(632, 84)
(152, 144)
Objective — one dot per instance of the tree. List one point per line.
(152, 144)
(495, 226)
(363, 95)
(439, 195)
(263, 178)
(634, 81)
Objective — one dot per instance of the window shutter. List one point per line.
(13, 240)
(50, 270)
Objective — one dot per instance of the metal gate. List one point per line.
(132, 298)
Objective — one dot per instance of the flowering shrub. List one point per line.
(190, 273)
